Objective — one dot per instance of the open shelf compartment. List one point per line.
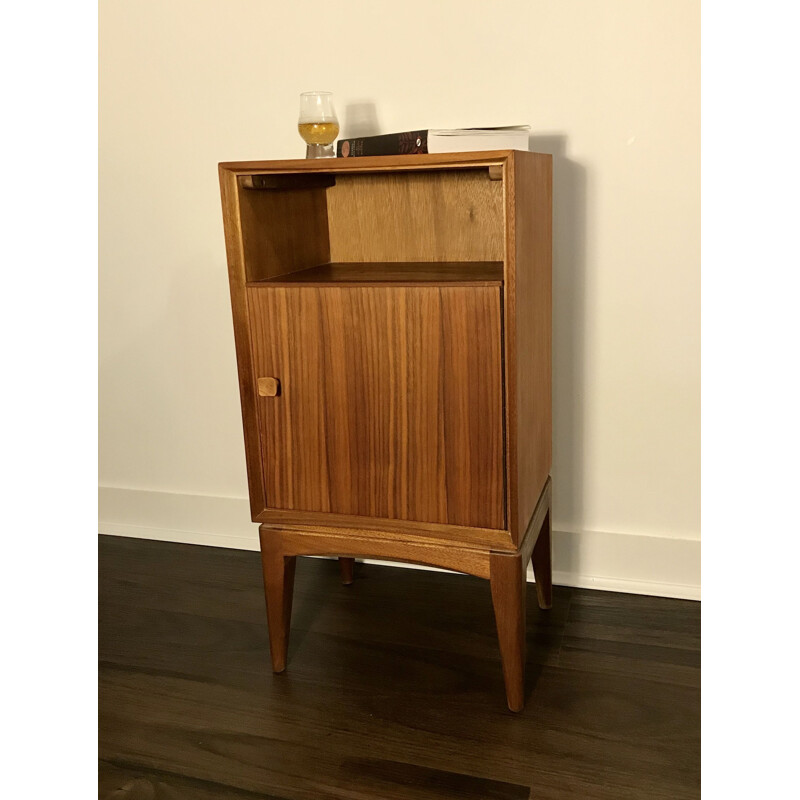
(433, 226)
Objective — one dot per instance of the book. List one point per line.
(388, 144)
(455, 140)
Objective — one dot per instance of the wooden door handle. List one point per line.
(269, 387)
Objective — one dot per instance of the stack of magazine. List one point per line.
(455, 140)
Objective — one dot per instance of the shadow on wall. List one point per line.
(360, 118)
(569, 336)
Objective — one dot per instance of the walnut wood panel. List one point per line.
(283, 231)
(409, 163)
(241, 331)
(367, 544)
(528, 315)
(403, 273)
(390, 405)
(423, 216)
(447, 535)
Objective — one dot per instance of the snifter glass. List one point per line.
(318, 124)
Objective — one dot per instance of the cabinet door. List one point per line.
(390, 401)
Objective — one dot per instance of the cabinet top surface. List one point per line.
(379, 163)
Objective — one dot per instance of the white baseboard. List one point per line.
(617, 562)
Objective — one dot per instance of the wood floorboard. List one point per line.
(656, 615)
(663, 664)
(393, 687)
(124, 781)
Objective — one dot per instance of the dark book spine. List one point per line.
(388, 144)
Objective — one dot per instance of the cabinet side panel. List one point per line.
(533, 179)
(241, 331)
(283, 231)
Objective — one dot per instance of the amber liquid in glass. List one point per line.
(318, 132)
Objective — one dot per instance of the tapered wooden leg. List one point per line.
(507, 579)
(278, 585)
(346, 567)
(542, 560)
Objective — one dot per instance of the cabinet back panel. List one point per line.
(447, 215)
(390, 402)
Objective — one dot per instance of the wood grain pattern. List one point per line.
(279, 570)
(525, 190)
(507, 579)
(283, 231)
(439, 216)
(444, 533)
(478, 160)
(527, 340)
(465, 273)
(241, 333)
(533, 267)
(380, 412)
(372, 544)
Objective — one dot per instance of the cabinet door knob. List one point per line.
(269, 387)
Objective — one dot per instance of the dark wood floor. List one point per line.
(393, 688)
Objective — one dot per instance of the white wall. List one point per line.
(610, 88)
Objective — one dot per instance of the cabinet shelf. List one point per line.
(363, 273)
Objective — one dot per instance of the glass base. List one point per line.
(320, 151)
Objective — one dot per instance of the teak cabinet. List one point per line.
(392, 319)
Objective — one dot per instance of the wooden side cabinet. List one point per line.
(392, 319)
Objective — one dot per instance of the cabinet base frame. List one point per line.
(505, 571)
